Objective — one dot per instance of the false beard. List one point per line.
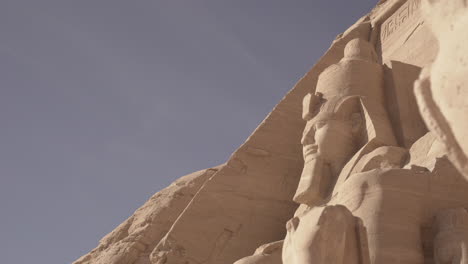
(315, 183)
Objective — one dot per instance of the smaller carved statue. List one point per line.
(323, 235)
(451, 239)
(266, 254)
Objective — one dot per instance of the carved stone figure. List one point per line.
(349, 151)
(390, 202)
(451, 240)
(322, 235)
(340, 123)
(442, 89)
(352, 159)
(346, 115)
(364, 171)
(266, 254)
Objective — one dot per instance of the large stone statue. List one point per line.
(349, 151)
(352, 160)
(344, 116)
(442, 89)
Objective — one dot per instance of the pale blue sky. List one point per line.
(105, 102)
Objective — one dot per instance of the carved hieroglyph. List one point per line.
(344, 169)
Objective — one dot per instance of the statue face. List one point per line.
(328, 143)
(332, 140)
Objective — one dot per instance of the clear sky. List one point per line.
(105, 102)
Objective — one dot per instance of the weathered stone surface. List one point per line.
(407, 122)
(378, 129)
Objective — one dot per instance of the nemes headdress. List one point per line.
(355, 83)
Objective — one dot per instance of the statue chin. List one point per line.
(314, 185)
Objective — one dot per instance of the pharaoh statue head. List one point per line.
(341, 118)
(442, 89)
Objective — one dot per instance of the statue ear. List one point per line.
(347, 106)
(350, 109)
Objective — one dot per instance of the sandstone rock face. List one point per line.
(364, 161)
